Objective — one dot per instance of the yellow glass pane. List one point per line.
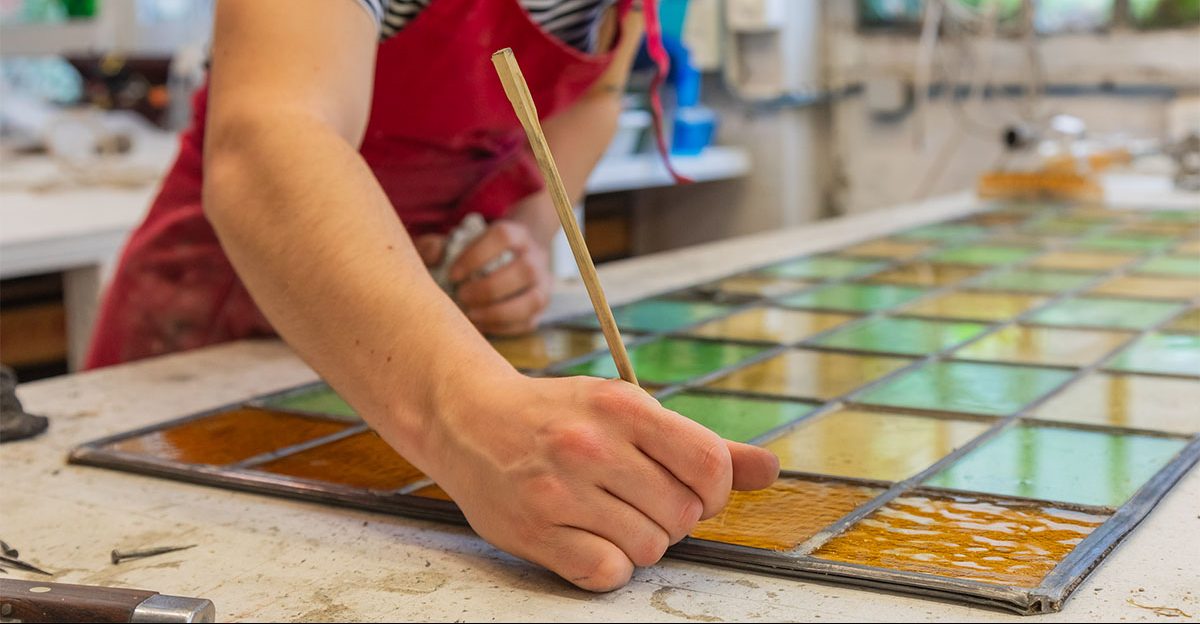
(752, 285)
(1189, 247)
(871, 445)
(1044, 345)
(1149, 287)
(783, 515)
(926, 274)
(1081, 261)
(771, 324)
(1134, 401)
(993, 541)
(1188, 322)
(983, 306)
(547, 346)
(801, 373)
(886, 248)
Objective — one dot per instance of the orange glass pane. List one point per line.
(783, 515)
(229, 437)
(362, 460)
(993, 541)
(1149, 287)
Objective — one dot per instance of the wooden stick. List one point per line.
(522, 103)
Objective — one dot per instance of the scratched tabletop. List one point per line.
(261, 558)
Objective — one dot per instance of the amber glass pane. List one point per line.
(754, 285)
(783, 515)
(548, 346)
(1134, 401)
(993, 541)
(770, 324)
(887, 248)
(1188, 322)
(871, 445)
(362, 460)
(983, 306)
(229, 437)
(803, 374)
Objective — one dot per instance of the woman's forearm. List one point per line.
(314, 238)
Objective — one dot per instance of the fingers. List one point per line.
(641, 539)
(500, 236)
(583, 558)
(499, 285)
(515, 315)
(754, 468)
(431, 248)
(691, 453)
(645, 485)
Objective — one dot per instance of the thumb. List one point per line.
(754, 467)
(430, 247)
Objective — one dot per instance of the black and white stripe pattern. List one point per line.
(572, 21)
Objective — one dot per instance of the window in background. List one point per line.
(1164, 13)
(1057, 16)
(889, 14)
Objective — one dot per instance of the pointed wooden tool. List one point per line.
(522, 103)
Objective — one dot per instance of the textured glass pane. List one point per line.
(783, 515)
(362, 460)
(961, 537)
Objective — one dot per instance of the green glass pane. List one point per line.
(1107, 312)
(1171, 265)
(320, 399)
(902, 335)
(854, 297)
(1176, 216)
(1058, 225)
(1165, 14)
(659, 315)
(825, 267)
(737, 418)
(1126, 242)
(983, 255)
(1177, 354)
(991, 389)
(944, 232)
(671, 360)
(1060, 464)
(1026, 280)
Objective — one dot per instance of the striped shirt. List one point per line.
(572, 21)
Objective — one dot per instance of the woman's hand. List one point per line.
(587, 477)
(508, 300)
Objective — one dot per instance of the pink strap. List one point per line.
(658, 54)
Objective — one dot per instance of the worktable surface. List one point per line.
(265, 558)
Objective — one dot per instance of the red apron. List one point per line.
(442, 140)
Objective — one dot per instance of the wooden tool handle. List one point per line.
(57, 602)
(522, 103)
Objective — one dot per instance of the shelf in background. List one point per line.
(647, 170)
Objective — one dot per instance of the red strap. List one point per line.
(658, 54)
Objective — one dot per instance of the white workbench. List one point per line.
(265, 558)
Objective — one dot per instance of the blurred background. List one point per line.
(783, 111)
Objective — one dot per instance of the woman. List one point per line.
(280, 215)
